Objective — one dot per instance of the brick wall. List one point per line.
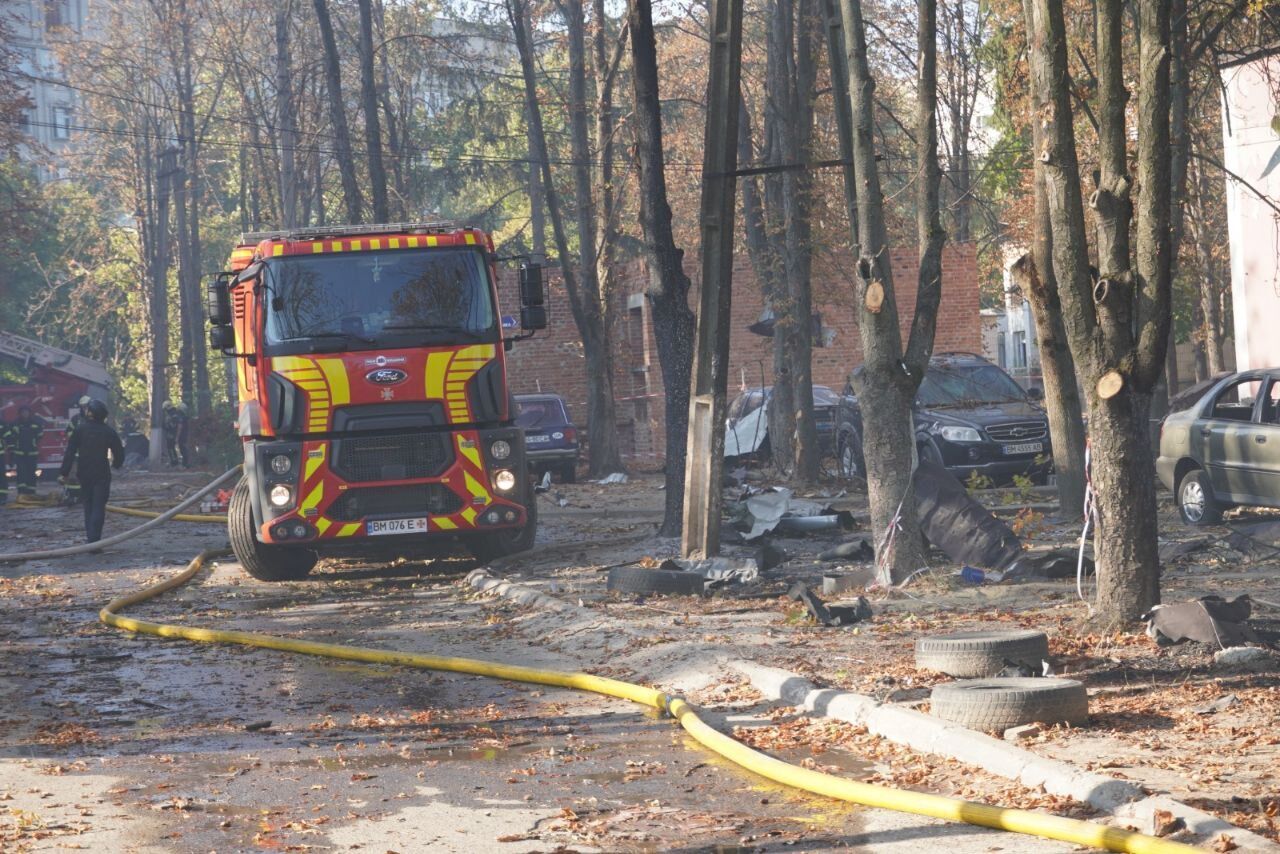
(553, 360)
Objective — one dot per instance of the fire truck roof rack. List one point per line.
(348, 230)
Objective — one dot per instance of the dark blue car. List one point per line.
(550, 439)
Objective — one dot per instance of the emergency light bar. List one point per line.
(348, 231)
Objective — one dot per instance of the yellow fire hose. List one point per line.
(883, 797)
(181, 517)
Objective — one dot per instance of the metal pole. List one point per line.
(703, 493)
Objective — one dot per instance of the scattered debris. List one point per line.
(257, 726)
(545, 484)
(1025, 669)
(1249, 658)
(634, 579)
(762, 512)
(769, 556)
(859, 549)
(1221, 704)
(616, 477)
(1169, 552)
(954, 522)
(1022, 733)
(717, 571)
(831, 615)
(1209, 619)
(1052, 565)
(833, 583)
(980, 653)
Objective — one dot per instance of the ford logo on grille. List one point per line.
(386, 376)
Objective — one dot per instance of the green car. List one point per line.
(1222, 448)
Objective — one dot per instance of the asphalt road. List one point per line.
(109, 741)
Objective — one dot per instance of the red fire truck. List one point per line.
(55, 380)
(374, 408)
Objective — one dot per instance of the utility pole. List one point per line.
(159, 391)
(704, 492)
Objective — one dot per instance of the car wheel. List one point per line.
(1196, 503)
(263, 561)
(848, 457)
(929, 453)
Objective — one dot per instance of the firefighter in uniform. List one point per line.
(73, 484)
(91, 443)
(29, 429)
(8, 436)
(175, 433)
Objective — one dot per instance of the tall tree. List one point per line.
(590, 305)
(891, 374)
(674, 324)
(369, 104)
(1117, 326)
(286, 118)
(338, 115)
(584, 301)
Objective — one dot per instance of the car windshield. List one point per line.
(823, 396)
(540, 413)
(378, 299)
(959, 386)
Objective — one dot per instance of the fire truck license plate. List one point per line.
(1025, 448)
(396, 526)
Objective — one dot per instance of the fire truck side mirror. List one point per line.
(531, 290)
(217, 299)
(222, 339)
(533, 317)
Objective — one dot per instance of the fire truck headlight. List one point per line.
(500, 449)
(504, 480)
(281, 495)
(280, 464)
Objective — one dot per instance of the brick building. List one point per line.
(553, 359)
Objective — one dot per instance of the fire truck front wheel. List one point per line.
(263, 561)
(508, 541)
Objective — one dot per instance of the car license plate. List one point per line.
(1024, 448)
(535, 439)
(377, 527)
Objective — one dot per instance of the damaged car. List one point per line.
(1222, 449)
(747, 422)
(970, 417)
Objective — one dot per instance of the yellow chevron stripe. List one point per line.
(471, 239)
(313, 499)
(314, 463)
(348, 530)
(475, 487)
(472, 453)
(468, 514)
(437, 367)
(432, 240)
(445, 524)
(277, 250)
(413, 243)
(336, 373)
(393, 243)
(317, 247)
(322, 524)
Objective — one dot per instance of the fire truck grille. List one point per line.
(431, 499)
(402, 456)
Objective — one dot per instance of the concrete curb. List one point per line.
(481, 580)
(1122, 799)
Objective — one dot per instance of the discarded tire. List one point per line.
(995, 705)
(977, 654)
(630, 579)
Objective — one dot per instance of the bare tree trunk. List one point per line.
(288, 121)
(1118, 329)
(605, 457)
(158, 308)
(797, 190)
(537, 204)
(592, 308)
(1210, 282)
(195, 359)
(674, 324)
(338, 115)
(1058, 369)
(885, 388)
(369, 103)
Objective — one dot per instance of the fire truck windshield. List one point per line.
(360, 300)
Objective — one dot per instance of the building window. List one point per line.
(1019, 349)
(57, 13)
(1001, 358)
(62, 123)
